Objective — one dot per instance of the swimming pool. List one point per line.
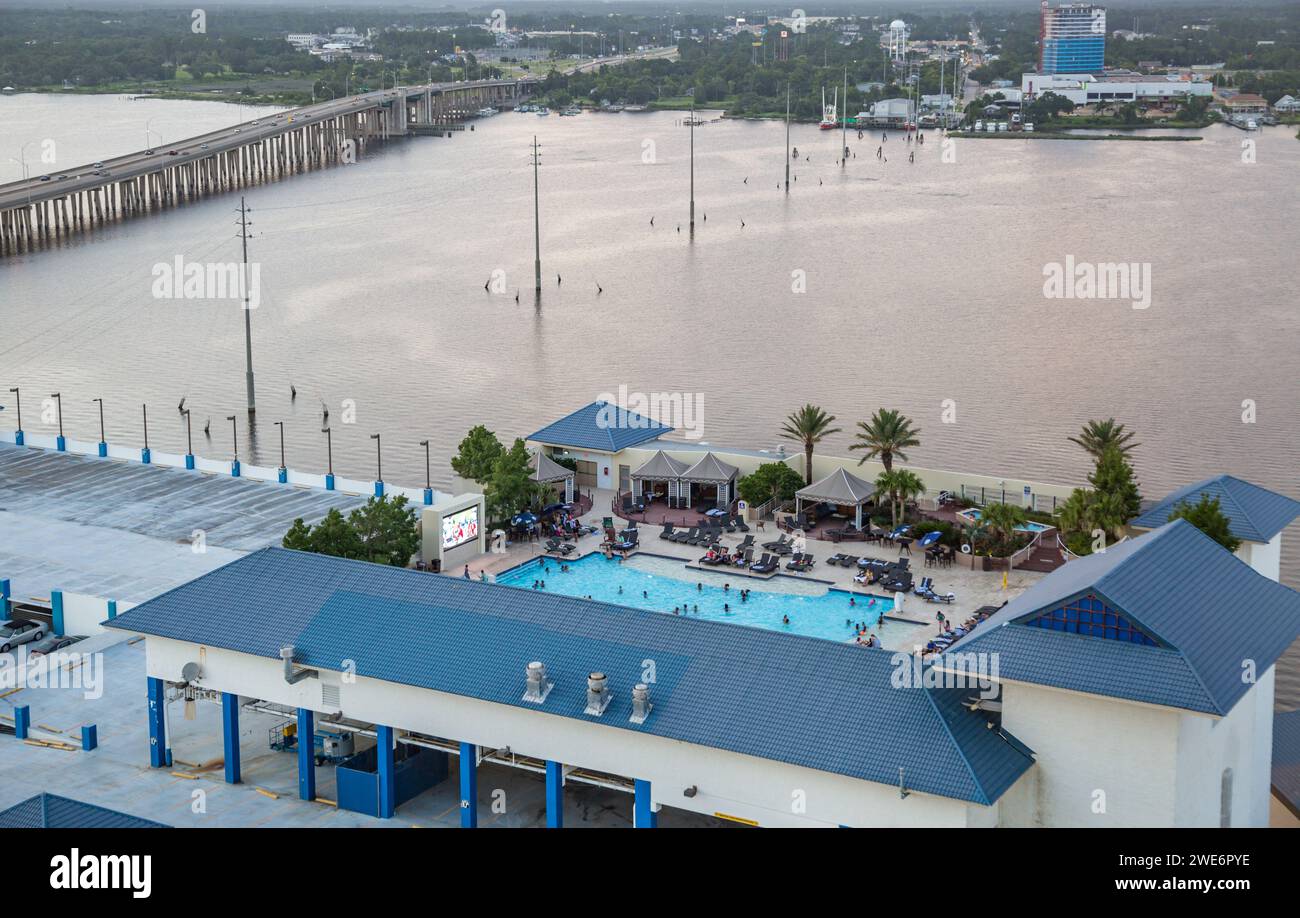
(663, 584)
(973, 516)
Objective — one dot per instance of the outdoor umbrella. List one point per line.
(930, 538)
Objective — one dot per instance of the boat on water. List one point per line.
(486, 112)
(828, 121)
(543, 111)
(636, 108)
(570, 111)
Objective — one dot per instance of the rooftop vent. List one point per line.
(641, 706)
(597, 693)
(538, 686)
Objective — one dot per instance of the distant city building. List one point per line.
(1071, 38)
(1287, 104)
(888, 113)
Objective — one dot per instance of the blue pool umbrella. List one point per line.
(551, 508)
(930, 538)
(523, 519)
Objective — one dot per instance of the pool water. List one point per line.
(661, 584)
(974, 515)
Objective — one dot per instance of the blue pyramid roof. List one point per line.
(601, 426)
(1254, 514)
(1204, 610)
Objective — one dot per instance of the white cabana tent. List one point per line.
(659, 467)
(546, 470)
(840, 488)
(710, 470)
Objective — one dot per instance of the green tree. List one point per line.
(1097, 435)
(510, 488)
(387, 531)
(1002, 518)
(888, 435)
(770, 481)
(477, 455)
(899, 487)
(1207, 516)
(1115, 484)
(808, 425)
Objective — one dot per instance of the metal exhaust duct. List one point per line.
(290, 676)
(597, 693)
(641, 706)
(537, 687)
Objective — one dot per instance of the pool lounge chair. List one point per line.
(555, 546)
(745, 543)
(801, 563)
(668, 531)
(765, 565)
(683, 535)
(781, 540)
(747, 559)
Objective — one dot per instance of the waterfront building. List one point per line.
(1115, 86)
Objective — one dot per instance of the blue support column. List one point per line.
(428, 497)
(643, 812)
(56, 612)
(282, 475)
(18, 437)
(103, 450)
(379, 489)
(468, 786)
(189, 461)
(554, 795)
(230, 731)
(329, 482)
(234, 468)
(306, 754)
(22, 721)
(145, 456)
(387, 778)
(5, 589)
(158, 755)
(112, 609)
(61, 444)
(89, 737)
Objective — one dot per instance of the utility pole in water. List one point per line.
(844, 122)
(248, 318)
(692, 161)
(537, 226)
(787, 138)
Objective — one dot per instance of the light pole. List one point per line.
(234, 439)
(283, 471)
(103, 443)
(146, 133)
(692, 160)
(428, 480)
(61, 443)
(189, 441)
(18, 403)
(145, 455)
(537, 226)
(379, 466)
(329, 454)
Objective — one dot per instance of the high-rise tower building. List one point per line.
(1071, 38)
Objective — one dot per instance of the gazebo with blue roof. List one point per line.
(594, 436)
(1255, 515)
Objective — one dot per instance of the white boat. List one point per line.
(543, 111)
(486, 112)
(828, 121)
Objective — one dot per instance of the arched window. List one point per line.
(1225, 799)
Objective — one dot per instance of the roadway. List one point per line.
(132, 165)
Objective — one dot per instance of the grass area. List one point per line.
(1105, 121)
(241, 88)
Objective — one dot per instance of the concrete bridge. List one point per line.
(43, 209)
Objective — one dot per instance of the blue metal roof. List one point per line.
(1286, 759)
(1209, 611)
(600, 426)
(1254, 514)
(799, 700)
(49, 811)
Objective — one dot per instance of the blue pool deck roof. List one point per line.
(1254, 514)
(49, 811)
(1207, 610)
(804, 701)
(1286, 760)
(601, 426)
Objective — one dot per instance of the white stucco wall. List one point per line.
(767, 792)
(1088, 746)
(1264, 558)
(1242, 741)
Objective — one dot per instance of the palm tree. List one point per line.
(808, 425)
(1097, 435)
(1002, 518)
(887, 435)
(900, 486)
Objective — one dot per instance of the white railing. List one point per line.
(1024, 553)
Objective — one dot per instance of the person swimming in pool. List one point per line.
(785, 619)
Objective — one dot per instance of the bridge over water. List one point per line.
(39, 209)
